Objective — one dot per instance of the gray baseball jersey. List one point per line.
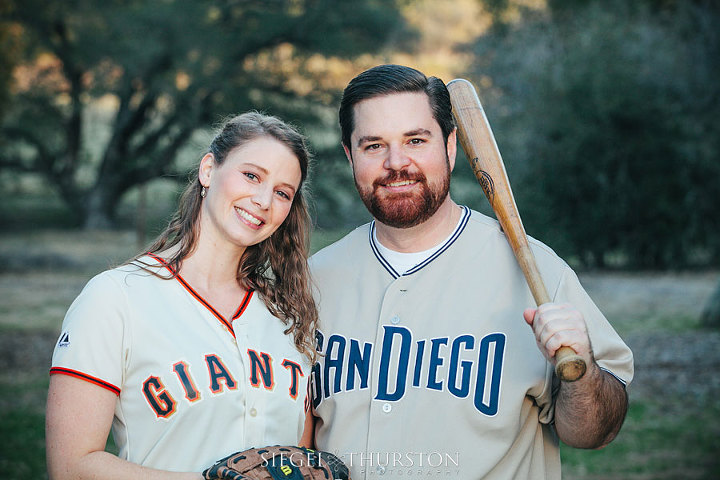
(434, 372)
(192, 386)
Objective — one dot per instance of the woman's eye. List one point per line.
(250, 175)
(283, 194)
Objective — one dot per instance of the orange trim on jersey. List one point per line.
(214, 362)
(295, 373)
(243, 305)
(192, 394)
(158, 398)
(86, 377)
(199, 298)
(256, 367)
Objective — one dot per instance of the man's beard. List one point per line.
(405, 210)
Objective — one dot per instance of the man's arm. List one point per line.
(590, 411)
(307, 439)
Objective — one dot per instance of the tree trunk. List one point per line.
(141, 216)
(100, 209)
(711, 312)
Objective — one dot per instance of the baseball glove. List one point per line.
(279, 463)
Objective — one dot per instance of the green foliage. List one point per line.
(610, 115)
(335, 202)
(164, 69)
(8, 57)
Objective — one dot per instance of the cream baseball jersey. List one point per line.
(182, 372)
(434, 372)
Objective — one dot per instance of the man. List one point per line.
(427, 366)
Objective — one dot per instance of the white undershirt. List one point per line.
(402, 261)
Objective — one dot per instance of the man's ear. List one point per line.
(207, 165)
(348, 154)
(452, 148)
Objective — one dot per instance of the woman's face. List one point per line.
(250, 194)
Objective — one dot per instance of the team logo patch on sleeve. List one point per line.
(64, 340)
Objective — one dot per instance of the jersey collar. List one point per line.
(451, 239)
(227, 323)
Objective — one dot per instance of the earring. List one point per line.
(203, 192)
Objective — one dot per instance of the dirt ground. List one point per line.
(655, 313)
(658, 316)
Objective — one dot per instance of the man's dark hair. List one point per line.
(389, 79)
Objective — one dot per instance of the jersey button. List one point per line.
(395, 320)
(253, 412)
(387, 408)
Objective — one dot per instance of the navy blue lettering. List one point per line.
(418, 362)
(295, 372)
(334, 362)
(360, 363)
(435, 362)
(466, 366)
(316, 384)
(489, 407)
(191, 391)
(261, 369)
(402, 367)
(160, 400)
(218, 371)
(319, 340)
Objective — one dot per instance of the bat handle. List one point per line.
(569, 366)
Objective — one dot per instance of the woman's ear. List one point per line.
(207, 165)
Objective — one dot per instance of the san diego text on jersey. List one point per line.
(465, 366)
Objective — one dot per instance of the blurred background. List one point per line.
(606, 113)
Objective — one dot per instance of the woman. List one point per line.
(203, 346)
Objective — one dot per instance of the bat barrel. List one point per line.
(478, 142)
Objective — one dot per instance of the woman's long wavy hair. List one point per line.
(275, 268)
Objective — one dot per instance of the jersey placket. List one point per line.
(254, 400)
(386, 407)
(248, 397)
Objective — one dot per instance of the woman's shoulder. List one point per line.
(141, 269)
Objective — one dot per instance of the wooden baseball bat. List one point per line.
(477, 139)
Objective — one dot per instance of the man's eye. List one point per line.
(417, 141)
(373, 146)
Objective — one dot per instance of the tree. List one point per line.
(608, 114)
(167, 68)
(710, 316)
(8, 57)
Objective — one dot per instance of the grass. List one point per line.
(22, 425)
(23, 457)
(668, 436)
(654, 445)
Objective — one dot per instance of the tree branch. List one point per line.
(73, 124)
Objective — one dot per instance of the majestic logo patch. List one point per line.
(64, 340)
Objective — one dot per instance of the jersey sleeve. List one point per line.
(610, 351)
(92, 338)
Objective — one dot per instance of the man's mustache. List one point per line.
(399, 176)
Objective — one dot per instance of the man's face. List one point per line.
(400, 161)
